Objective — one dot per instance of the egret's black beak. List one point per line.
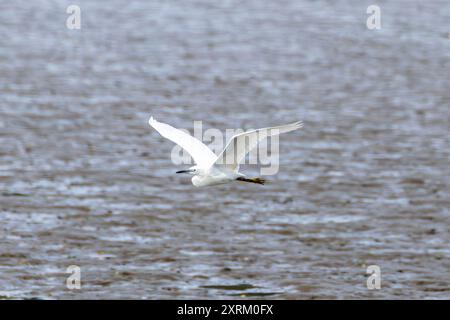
(184, 171)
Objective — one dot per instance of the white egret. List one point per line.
(211, 169)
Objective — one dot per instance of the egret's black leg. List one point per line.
(252, 180)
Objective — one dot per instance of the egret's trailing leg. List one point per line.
(252, 180)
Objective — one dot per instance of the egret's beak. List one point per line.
(184, 171)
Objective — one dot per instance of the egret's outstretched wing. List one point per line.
(241, 144)
(202, 155)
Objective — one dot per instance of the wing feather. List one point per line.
(202, 155)
(241, 144)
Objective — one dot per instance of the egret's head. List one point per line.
(192, 170)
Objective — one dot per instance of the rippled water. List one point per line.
(84, 180)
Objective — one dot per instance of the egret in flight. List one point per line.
(211, 169)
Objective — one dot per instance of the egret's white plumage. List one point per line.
(202, 155)
(237, 148)
(211, 169)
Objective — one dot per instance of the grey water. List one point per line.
(85, 181)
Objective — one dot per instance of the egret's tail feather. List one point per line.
(252, 180)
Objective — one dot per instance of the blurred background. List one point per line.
(85, 181)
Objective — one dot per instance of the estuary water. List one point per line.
(85, 181)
